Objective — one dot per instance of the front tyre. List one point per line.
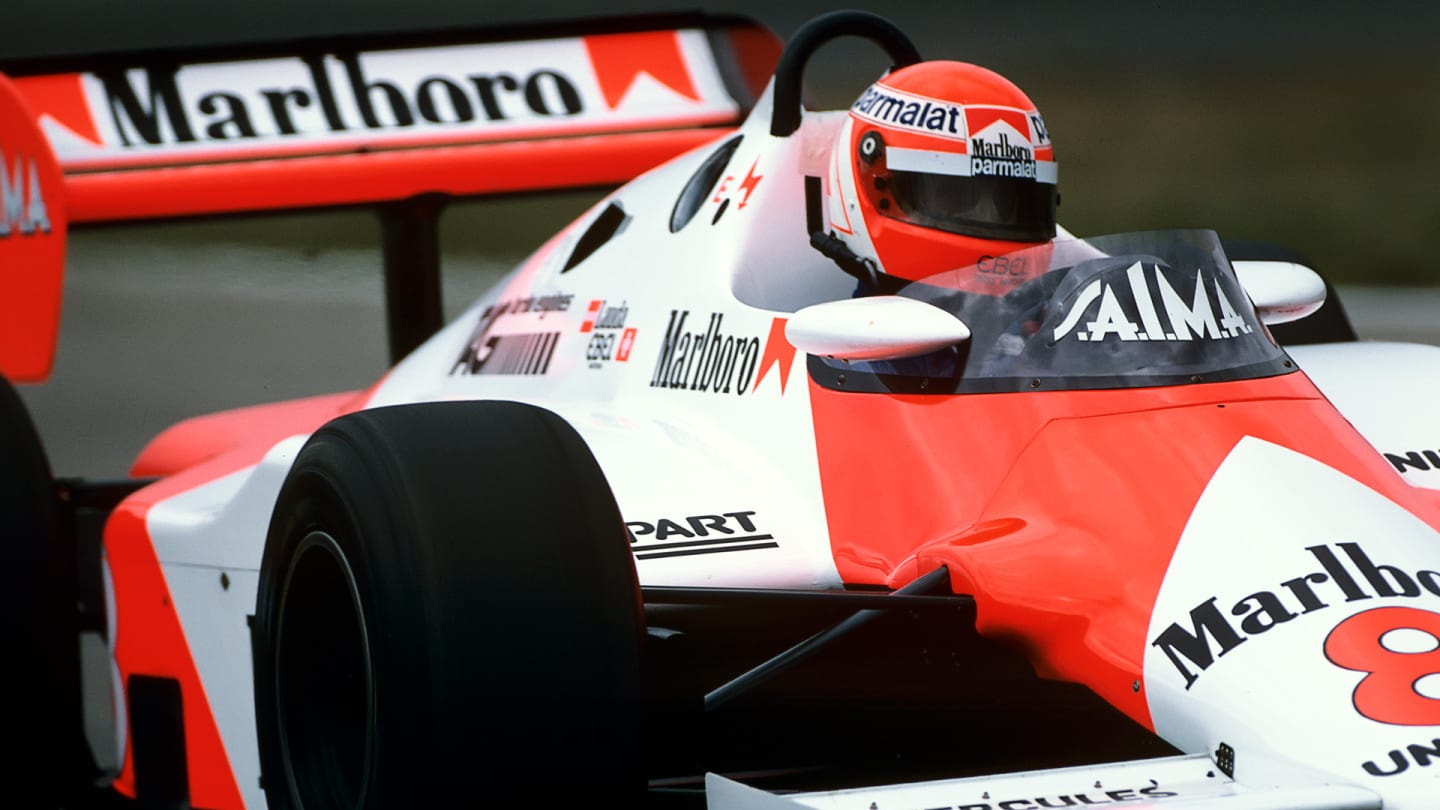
(447, 613)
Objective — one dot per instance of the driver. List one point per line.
(940, 168)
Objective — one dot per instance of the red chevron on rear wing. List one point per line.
(361, 120)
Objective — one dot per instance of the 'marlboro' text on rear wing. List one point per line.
(401, 120)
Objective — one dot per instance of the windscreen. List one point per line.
(1119, 311)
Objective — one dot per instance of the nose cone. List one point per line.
(1299, 625)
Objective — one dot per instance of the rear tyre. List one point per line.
(42, 747)
(447, 613)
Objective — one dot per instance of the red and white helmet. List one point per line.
(939, 166)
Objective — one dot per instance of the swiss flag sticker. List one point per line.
(627, 342)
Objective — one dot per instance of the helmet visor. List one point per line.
(1018, 209)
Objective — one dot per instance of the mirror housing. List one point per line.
(882, 327)
(1281, 291)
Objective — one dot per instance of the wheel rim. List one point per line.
(324, 684)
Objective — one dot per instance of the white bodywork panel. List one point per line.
(1170, 782)
(1279, 556)
(214, 530)
(1390, 392)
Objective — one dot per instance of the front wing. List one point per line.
(1192, 781)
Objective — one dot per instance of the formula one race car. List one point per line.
(701, 504)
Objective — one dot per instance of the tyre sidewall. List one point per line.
(43, 757)
(498, 593)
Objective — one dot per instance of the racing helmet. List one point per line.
(939, 165)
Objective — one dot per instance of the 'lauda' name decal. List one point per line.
(610, 338)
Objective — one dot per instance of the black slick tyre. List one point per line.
(43, 758)
(447, 615)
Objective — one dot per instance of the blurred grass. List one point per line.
(1338, 160)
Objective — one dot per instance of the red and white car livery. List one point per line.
(1110, 460)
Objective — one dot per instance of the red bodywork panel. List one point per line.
(32, 242)
(1053, 508)
(195, 441)
(149, 639)
(350, 179)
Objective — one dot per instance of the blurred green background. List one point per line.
(1335, 160)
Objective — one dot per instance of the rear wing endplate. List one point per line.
(32, 242)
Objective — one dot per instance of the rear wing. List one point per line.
(399, 121)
